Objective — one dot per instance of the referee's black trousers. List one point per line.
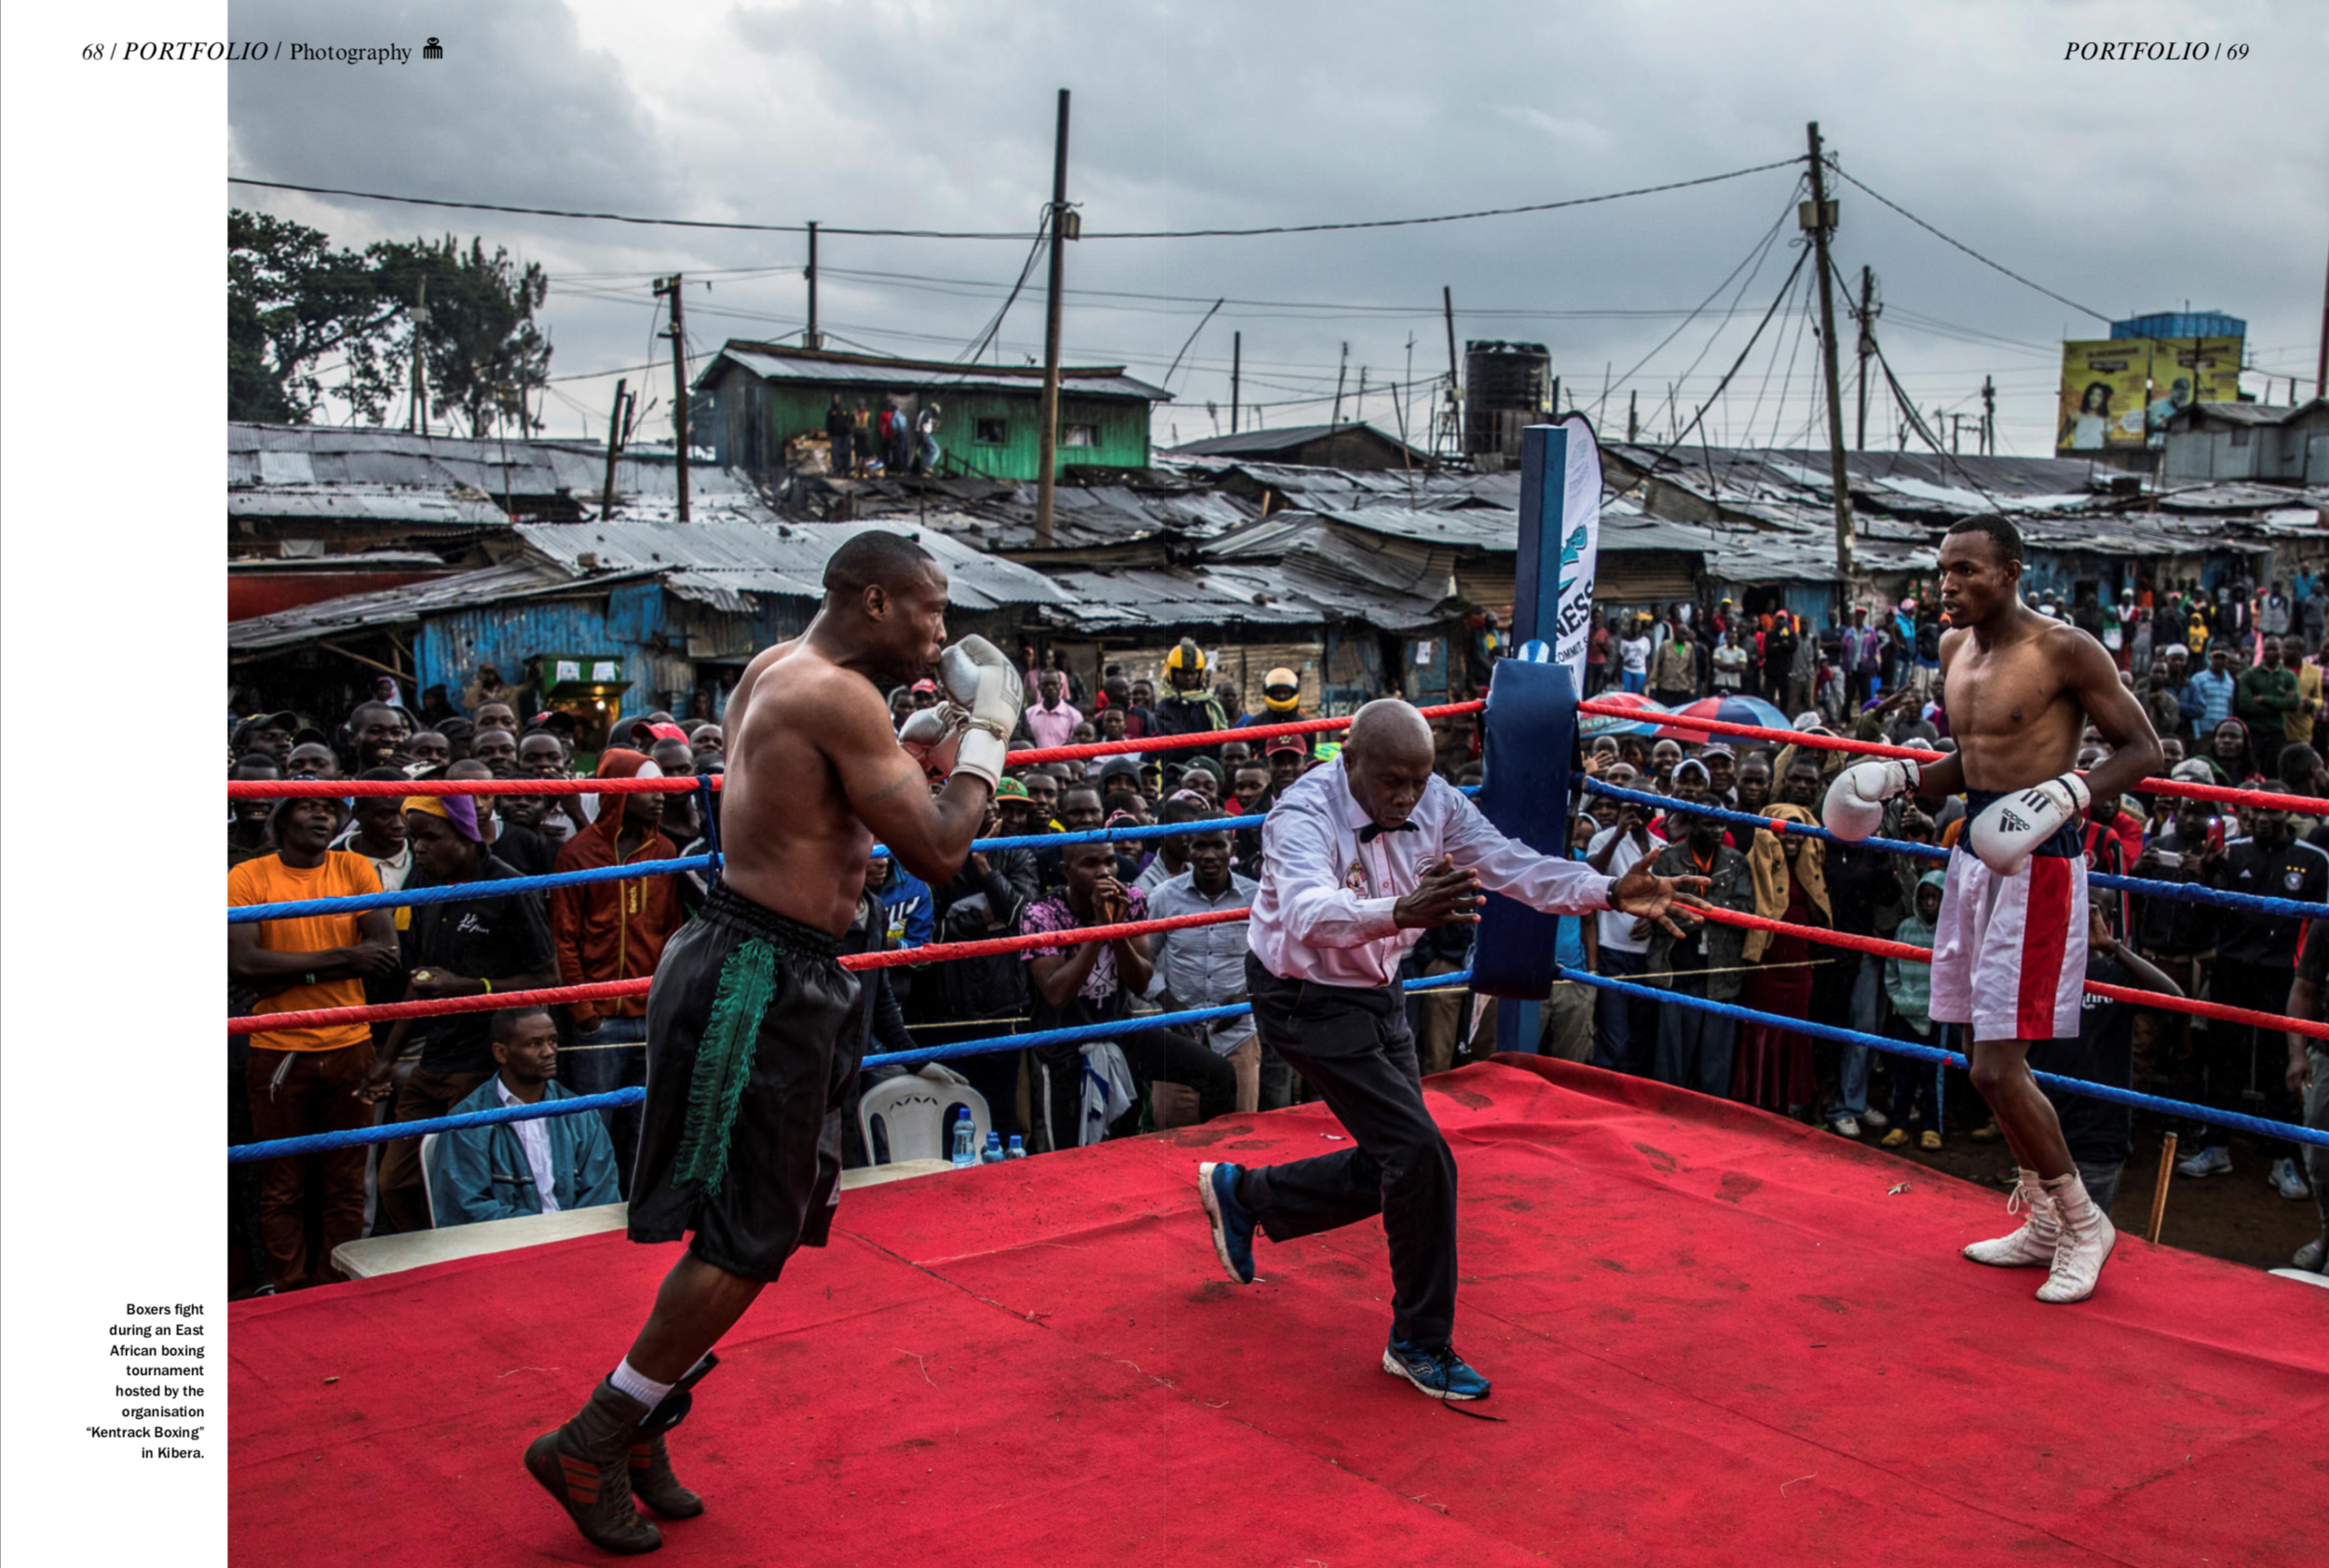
(1353, 1045)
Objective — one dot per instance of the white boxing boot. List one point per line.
(2086, 1241)
(2031, 1247)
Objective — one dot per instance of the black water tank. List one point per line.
(1505, 387)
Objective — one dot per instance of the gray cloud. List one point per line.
(2129, 186)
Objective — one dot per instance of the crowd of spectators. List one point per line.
(1868, 684)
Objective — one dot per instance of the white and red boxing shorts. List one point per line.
(2010, 953)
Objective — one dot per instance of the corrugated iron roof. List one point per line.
(919, 376)
(398, 607)
(1285, 440)
(788, 557)
(369, 503)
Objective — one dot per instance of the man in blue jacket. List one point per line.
(539, 1167)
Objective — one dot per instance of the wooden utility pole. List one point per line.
(1633, 415)
(614, 444)
(812, 339)
(1455, 376)
(1047, 437)
(1236, 372)
(1989, 417)
(670, 288)
(1867, 347)
(1359, 410)
(1555, 406)
(1342, 365)
(2320, 359)
(419, 422)
(1818, 216)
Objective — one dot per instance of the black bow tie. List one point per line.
(1375, 830)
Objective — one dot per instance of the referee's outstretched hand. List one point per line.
(1444, 896)
(1655, 898)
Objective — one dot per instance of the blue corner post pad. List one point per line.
(1529, 751)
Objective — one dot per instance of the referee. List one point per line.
(1356, 857)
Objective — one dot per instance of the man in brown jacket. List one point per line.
(614, 931)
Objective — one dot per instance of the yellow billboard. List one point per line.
(2190, 370)
(2106, 385)
(2119, 392)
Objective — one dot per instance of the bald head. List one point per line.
(1388, 727)
(1387, 760)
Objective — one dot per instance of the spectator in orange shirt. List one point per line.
(304, 1081)
(614, 931)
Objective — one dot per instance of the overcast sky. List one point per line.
(2127, 188)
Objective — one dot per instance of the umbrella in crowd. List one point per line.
(1591, 726)
(1725, 710)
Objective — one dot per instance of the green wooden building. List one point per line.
(769, 401)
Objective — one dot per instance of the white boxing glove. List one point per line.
(1855, 807)
(2009, 828)
(933, 736)
(984, 685)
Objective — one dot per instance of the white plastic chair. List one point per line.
(428, 1159)
(913, 1113)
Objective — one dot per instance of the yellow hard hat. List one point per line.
(1281, 690)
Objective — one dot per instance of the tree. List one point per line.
(485, 358)
(291, 300)
(301, 314)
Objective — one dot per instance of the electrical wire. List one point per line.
(1786, 289)
(1754, 255)
(978, 345)
(1998, 267)
(957, 234)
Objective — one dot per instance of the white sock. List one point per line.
(628, 1379)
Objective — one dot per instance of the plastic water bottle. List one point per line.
(993, 1154)
(965, 1152)
(1017, 1150)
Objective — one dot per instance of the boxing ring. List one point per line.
(1717, 1335)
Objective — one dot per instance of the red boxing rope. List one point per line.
(348, 789)
(935, 952)
(2300, 803)
(1210, 737)
(1883, 948)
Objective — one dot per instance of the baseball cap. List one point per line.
(1294, 744)
(1010, 789)
(658, 731)
(286, 721)
(925, 686)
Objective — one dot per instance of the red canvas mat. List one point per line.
(1716, 1337)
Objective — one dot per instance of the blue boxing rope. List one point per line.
(391, 1132)
(315, 1143)
(453, 892)
(2234, 1119)
(2182, 892)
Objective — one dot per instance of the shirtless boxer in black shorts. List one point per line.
(752, 1027)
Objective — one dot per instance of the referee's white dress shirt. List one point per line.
(1323, 910)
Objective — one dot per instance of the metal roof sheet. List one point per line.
(924, 377)
(433, 508)
(398, 607)
(788, 557)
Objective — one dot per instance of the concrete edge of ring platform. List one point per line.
(375, 1256)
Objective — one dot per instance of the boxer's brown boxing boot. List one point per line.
(586, 1465)
(651, 1477)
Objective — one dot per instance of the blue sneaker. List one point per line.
(1232, 1222)
(1435, 1369)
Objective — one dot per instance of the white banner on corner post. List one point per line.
(1560, 539)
